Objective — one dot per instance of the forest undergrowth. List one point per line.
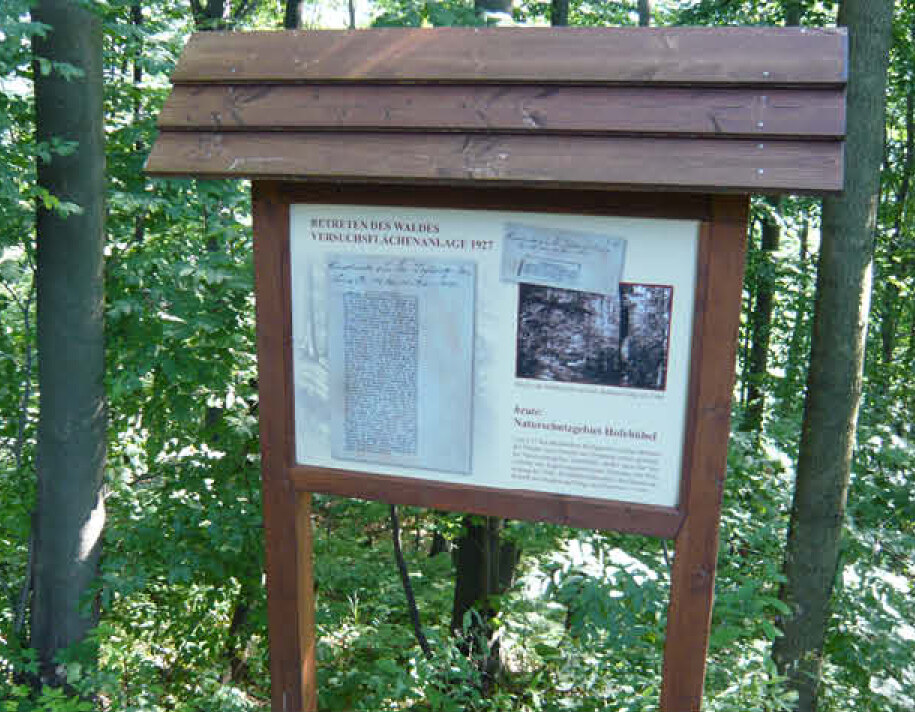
(181, 593)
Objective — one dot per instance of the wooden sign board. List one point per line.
(527, 353)
(705, 235)
(443, 322)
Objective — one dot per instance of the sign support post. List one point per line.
(692, 587)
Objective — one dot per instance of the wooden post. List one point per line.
(287, 514)
(718, 301)
(306, 605)
(286, 490)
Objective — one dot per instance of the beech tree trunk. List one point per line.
(835, 377)
(70, 510)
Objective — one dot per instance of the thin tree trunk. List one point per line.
(407, 586)
(910, 351)
(19, 445)
(438, 546)
(788, 387)
(890, 308)
(794, 11)
(644, 13)
(559, 13)
(291, 15)
(761, 328)
(743, 355)
(235, 652)
(72, 423)
(835, 377)
(136, 19)
(209, 16)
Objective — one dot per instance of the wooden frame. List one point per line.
(693, 523)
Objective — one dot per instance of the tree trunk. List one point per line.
(72, 422)
(794, 11)
(761, 328)
(644, 13)
(136, 19)
(210, 15)
(790, 384)
(834, 381)
(559, 13)
(291, 15)
(890, 309)
(485, 566)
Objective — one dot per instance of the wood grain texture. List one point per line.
(712, 377)
(308, 636)
(682, 205)
(289, 607)
(579, 161)
(675, 55)
(586, 512)
(728, 112)
(687, 108)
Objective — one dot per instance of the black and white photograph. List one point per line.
(584, 337)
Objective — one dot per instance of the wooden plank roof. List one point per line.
(711, 109)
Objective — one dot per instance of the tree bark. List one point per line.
(136, 19)
(796, 347)
(644, 13)
(559, 13)
(835, 377)
(889, 312)
(485, 567)
(291, 15)
(761, 328)
(72, 422)
(794, 11)
(209, 14)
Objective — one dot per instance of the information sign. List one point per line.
(533, 351)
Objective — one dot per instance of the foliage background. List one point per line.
(183, 605)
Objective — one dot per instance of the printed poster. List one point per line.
(515, 350)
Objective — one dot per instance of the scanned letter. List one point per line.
(567, 259)
(401, 360)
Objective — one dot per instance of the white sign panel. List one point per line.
(526, 351)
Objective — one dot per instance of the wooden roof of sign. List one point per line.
(706, 109)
